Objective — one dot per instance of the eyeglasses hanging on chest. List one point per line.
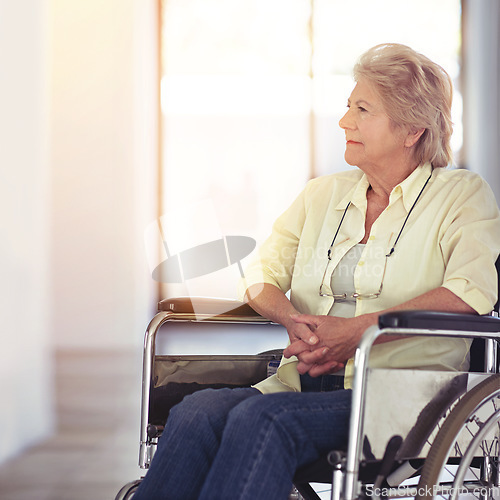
(323, 290)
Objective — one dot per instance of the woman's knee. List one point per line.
(254, 412)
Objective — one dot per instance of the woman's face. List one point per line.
(372, 142)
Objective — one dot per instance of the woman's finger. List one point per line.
(302, 332)
(325, 368)
(306, 319)
(296, 348)
(313, 357)
(303, 368)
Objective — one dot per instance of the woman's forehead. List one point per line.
(365, 93)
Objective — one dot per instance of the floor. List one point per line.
(95, 449)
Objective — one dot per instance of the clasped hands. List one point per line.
(322, 344)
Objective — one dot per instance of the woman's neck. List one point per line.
(382, 185)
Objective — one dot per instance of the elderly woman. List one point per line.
(401, 232)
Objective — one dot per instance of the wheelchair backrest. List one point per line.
(477, 350)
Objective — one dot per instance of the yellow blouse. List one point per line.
(451, 239)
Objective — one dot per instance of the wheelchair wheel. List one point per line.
(127, 492)
(475, 473)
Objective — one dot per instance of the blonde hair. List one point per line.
(416, 93)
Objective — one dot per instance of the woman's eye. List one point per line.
(361, 109)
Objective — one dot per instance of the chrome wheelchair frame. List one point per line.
(344, 466)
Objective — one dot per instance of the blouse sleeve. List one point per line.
(470, 244)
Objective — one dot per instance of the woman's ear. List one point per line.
(413, 137)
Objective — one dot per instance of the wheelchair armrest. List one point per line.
(433, 320)
(207, 305)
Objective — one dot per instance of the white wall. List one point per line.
(103, 169)
(25, 358)
(78, 163)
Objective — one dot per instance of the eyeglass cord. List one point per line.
(391, 251)
(338, 229)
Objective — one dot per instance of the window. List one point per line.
(251, 95)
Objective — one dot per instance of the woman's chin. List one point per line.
(350, 160)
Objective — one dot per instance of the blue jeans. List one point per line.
(240, 444)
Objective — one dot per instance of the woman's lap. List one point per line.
(240, 435)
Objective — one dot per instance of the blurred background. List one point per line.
(124, 121)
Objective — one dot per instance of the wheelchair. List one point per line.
(427, 434)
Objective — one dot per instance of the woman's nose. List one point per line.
(345, 122)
